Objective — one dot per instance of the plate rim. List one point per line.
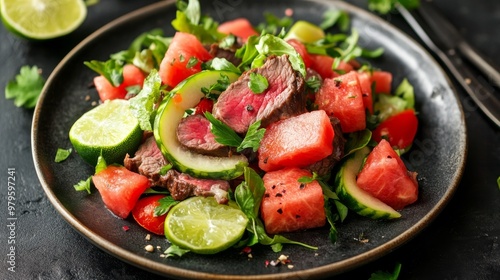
(168, 270)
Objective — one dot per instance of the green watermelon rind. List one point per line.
(170, 113)
(353, 196)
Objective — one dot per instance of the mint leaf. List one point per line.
(257, 83)
(142, 105)
(26, 87)
(62, 154)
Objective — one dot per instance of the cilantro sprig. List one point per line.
(26, 87)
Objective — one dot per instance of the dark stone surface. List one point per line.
(462, 243)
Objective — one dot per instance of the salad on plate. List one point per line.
(232, 134)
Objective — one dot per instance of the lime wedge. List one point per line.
(42, 19)
(111, 128)
(203, 226)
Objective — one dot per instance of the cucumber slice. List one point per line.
(184, 96)
(356, 198)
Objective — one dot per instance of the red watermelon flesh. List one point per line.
(289, 205)
(297, 141)
(386, 177)
(342, 97)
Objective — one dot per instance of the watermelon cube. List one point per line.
(297, 141)
(289, 205)
(342, 97)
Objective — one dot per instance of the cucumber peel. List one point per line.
(356, 198)
(185, 96)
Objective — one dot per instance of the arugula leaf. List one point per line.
(332, 17)
(274, 24)
(356, 141)
(26, 87)
(223, 133)
(62, 154)
(164, 205)
(175, 251)
(383, 275)
(257, 83)
(142, 105)
(188, 19)
(83, 185)
(247, 52)
(386, 6)
(269, 44)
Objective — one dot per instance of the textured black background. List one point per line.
(462, 243)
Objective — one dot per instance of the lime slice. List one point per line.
(305, 32)
(203, 226)
(42, 19)
(111, 128)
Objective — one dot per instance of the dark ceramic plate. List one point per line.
(438, 153)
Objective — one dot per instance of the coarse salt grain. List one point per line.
(149, 248)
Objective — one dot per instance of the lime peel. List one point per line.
(42, 19)
(204, 226)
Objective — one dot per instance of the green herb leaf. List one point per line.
(498, 182)
(26, 87)
(223, 133)
(164, 169)
(332, 17)
(101, 164)
(386, 6)
(313, 83)
(219, 63)
(214, 90)
(164, 205)
(252, 138)
(189, 19)
(357, 141)
(274, 24)
(111, 69)
(175, 251)
(257, 83)
(269, 44)
(383, 275)
(142, 105)
(83, 185)
(62, 154)
(248, 196)
(405, 91)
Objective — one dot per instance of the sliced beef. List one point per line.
(194, 133)
(325, 166)
(182, 186)
(148, 161)
(230, 54)
(239, 107)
